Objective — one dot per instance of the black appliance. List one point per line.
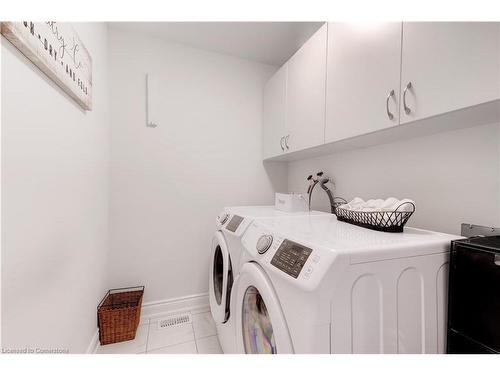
(474, 296)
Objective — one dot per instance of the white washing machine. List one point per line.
(225, 263)
(317, 285)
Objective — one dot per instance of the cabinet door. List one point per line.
(451, 65)
(306, 93)
(363, 69)
(274, 108)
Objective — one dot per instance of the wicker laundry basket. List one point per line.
(118, 314)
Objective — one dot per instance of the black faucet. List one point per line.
(322, 179)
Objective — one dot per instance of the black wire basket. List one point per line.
(384, 221)
(337, 202)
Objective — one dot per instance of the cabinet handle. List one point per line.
(389, 114)
(497, 259)
(286, 141)
(281, 143)
(407, 109)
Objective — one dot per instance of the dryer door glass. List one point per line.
(258, 336)
(218, 274)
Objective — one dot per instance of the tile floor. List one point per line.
(199, 337)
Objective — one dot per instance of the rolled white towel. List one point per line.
(356, 203)
(345, 206)
(369, 203)
(372, 205)
(379, 205)
(405, 205)
(389, 204)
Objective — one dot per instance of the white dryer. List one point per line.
(317, 285)
(226, 250)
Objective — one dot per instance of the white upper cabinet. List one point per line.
(274, 112)
(448, 66)
(363, 78)
(351, 79)
(306, 83)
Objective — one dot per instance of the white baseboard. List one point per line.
(163, 307)
(167, 306)
(94, 343)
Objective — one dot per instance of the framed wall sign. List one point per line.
(56, 49)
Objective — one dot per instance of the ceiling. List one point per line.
(266, 42)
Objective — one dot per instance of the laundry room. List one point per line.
(250, 184)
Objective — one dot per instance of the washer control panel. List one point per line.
(234, 223)
(291, 257)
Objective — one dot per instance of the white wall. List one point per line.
(169, 183)
(452, 176)
(54, 202)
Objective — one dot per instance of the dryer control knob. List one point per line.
(264, 243)
(223, 218)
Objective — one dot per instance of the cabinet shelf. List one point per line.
(482, 114)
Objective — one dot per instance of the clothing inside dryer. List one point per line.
(258, 336)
